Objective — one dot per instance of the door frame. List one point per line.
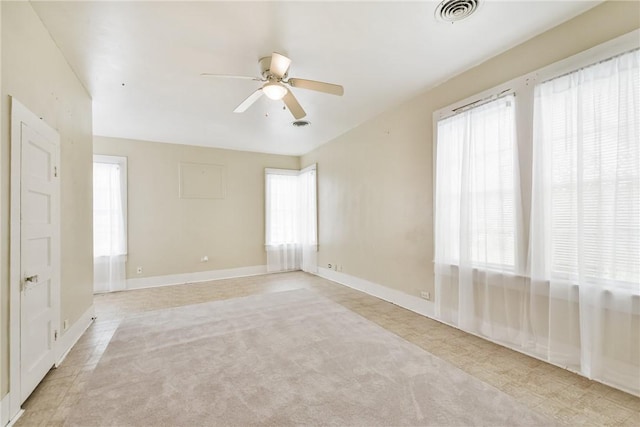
(21, 114)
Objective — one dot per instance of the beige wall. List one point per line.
(35, 72)
(375, 182)
(169, 235)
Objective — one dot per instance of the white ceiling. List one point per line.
(141, 61)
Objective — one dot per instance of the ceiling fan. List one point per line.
(274, 70)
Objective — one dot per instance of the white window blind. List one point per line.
(475, 186)
(587, 126)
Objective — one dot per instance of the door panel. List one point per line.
(39, 256)
(39, 158)
(37, 207)
(40, 250)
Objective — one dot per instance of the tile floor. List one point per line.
(571, 399)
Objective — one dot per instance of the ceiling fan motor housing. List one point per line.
(265, 68)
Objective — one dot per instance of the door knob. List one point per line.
(29, 282)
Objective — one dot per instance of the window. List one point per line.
(282, 207)
(559, 188)
(109, 222)
(308, 206)
(577, 99)
(291, 219)
(588, 170)
(476, 185)
(108, 208)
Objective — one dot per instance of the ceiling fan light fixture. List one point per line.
(274, 90)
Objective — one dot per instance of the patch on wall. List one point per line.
(202, 181)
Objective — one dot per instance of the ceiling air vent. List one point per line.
(456, 10)
(301, 123)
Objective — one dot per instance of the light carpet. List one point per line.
(285, 358)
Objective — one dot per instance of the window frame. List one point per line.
(621, 46)
(267, 213)
(122, 162)
(488, 266)
(314, 168)
(523, 89)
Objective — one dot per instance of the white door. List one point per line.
(39, 256)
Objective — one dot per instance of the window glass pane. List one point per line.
(109, 234)
(588, 122)
(475, 186)
(291, 207)
(282, 193)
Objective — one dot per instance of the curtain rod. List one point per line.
(482, 101)
(590, 65)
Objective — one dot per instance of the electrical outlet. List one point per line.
(139, 270)
(329, 266)
(65, 324)
(425, 295)
(204, 259)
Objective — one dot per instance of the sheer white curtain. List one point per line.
(308, 219)
(291, 219)
(585, 221)
(478, 236)
(109, 225)
(284, 250)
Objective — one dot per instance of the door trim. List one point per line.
(20, 114)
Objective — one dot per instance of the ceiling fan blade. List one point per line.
(293, 105)
(248, 102)
(279, 65)
(230, 76)
(317, 86)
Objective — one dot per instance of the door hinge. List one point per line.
(55, 335)
(55, 171)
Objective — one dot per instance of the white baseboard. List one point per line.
(5, 419)
(415, 304)
(200, 276)
(73, 334)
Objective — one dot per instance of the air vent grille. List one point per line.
(456, 10)
(300, 123)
